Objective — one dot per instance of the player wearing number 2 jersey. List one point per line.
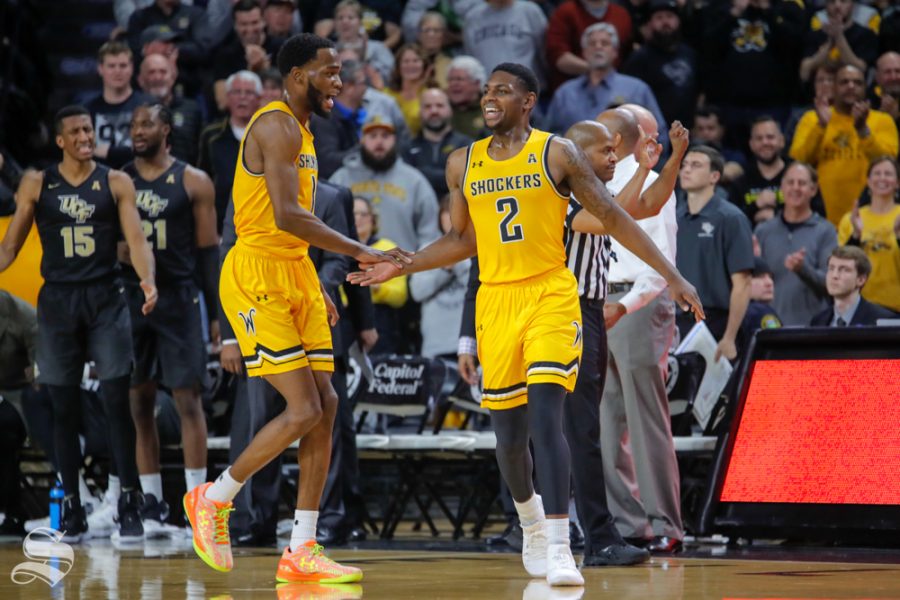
(508, 199)
(178, 215)
(79, 208)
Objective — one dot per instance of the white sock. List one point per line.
(531, 511)
(304, 527)
(114, 489)
(194, 477)
(225, 488)
(151, 483)
(557, 531)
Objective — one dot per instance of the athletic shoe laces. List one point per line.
(221, 521)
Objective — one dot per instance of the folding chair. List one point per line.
(406, 387)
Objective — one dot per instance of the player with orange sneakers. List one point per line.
(272, 297)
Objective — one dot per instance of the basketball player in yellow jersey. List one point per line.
(274, 302)
(508, 203)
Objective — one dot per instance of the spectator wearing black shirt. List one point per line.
(667, 64)
(709, 129)
(429, 150)
(249, 47)
(751, 50)
(157, 79)
(758, 191)
(183, 20)
(379, 18)
(838, 41)
(111, 109)
(220, 142)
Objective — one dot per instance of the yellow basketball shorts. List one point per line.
(277, 311)
(528, 332)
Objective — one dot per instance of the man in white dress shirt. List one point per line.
(639, 461)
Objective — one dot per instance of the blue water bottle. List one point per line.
(56, 500)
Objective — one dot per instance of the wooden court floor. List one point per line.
(169, 570)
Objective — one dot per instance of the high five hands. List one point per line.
(378, 266)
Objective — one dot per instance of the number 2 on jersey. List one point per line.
(509, 232)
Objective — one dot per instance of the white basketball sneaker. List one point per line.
(534, 546)
(102, 521)
(561, 568)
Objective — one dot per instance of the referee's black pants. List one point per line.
(582, 426)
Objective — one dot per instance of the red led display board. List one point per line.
(818, 432)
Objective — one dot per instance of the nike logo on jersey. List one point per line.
(76, 208)
(248, 321)
(53, 186)
(578, 334)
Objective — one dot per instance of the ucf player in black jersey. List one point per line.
(178, 215)
(80, 207)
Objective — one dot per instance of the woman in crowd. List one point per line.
(432, 29)
(411, 76)
(387, 297)
(876, 228)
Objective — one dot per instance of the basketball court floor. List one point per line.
(431, 570)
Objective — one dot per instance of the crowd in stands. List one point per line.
(787, 202)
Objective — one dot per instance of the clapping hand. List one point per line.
(794, 262)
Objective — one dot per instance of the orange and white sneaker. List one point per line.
(319, 591)
(310, 565)
(209, 521)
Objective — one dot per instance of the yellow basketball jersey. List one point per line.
(254, 217)
(517, 212)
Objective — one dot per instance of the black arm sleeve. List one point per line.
(467, 328)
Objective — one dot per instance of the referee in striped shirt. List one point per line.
(588, 254)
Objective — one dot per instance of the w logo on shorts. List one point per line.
(248, 321)
(578, 334)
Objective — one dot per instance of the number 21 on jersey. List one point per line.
(509, 230)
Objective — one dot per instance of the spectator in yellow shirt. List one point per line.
(876, 228)
(412, 75)
(841, 141)
(388, 297)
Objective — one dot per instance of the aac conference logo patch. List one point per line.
(49, 559)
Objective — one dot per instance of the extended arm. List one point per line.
(203, 204)
(277, 140)
(456, 245)
(737, 308)
(17, 232)
(567, 159)
(651, 201)
(139, 250)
